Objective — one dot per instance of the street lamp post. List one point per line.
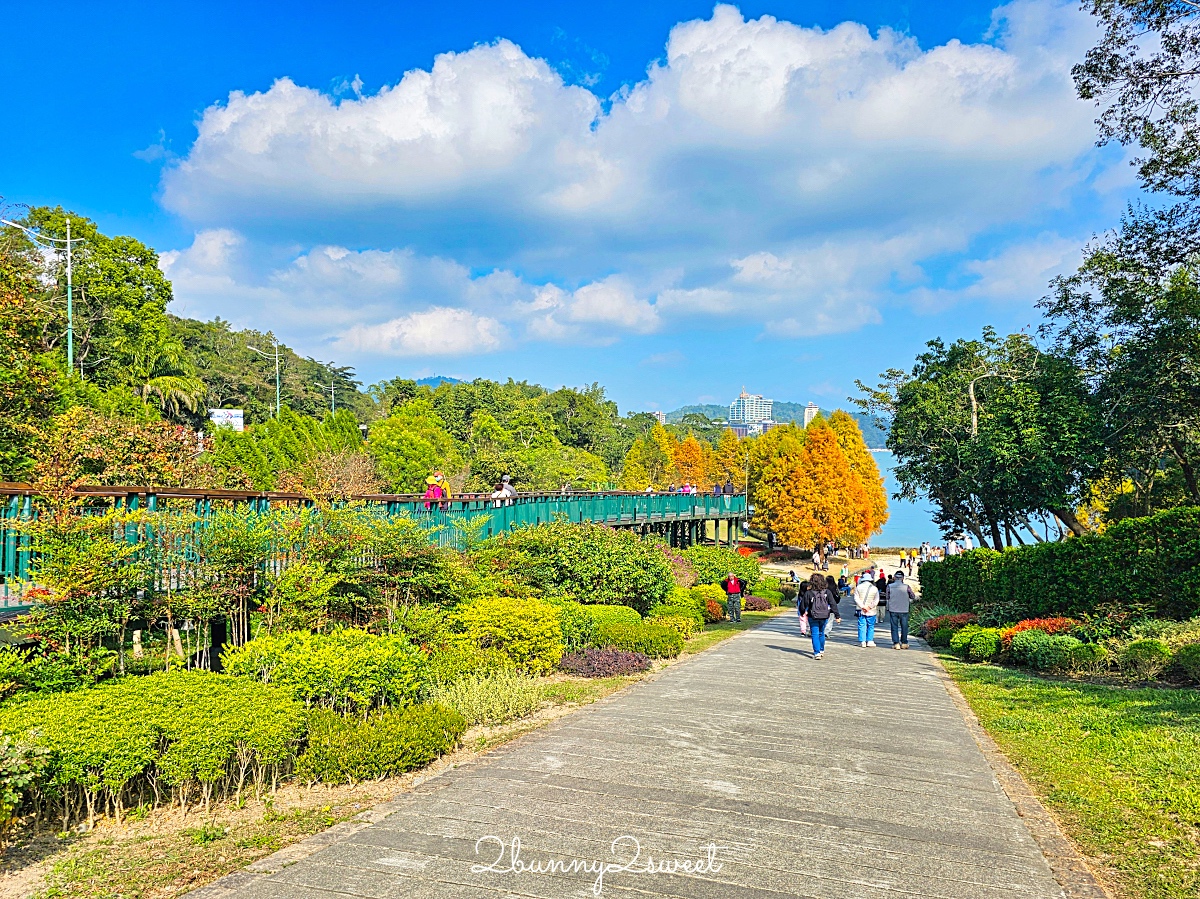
(268, 356)
(332, 395)
(54, 242)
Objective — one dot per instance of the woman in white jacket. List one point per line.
(866, 604)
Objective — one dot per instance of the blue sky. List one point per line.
(672, 199)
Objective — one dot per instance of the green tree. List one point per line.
(411, 444)
(993, 431)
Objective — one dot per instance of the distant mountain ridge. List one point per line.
(874, 436)
(435, 380)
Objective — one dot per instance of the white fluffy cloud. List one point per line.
(434, 332)
(793, 176)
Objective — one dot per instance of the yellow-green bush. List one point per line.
(386, 743)
(176, 737)
(347, 671)
(605, 615)
(653, 640)
(491, 697)
(525, 630)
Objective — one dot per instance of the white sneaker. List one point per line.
(870, 642)
(863, 645)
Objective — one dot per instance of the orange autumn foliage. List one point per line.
(811, 494)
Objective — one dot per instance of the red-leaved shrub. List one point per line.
(947, 622)
(1045, 625)
(713, 612)
(757, 604)
(604, 662)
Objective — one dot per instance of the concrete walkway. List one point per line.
(854, 777)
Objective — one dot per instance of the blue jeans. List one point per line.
(899, 626)
(816, 627)
(866, 628)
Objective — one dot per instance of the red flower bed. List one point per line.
(951, 622)
(713, 611)
(1046, 625)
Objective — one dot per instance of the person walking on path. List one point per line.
(822, 604)
(732, 585)
(866, 605)
(900, 597)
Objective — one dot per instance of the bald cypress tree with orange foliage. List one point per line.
(695, 462)
(862, 463)
(811, 494)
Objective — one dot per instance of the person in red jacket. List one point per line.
(732, 585)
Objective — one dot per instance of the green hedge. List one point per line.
(1150, 562)
(713, 564)
(347, 671)
(653, 640)
(525, 630)
(348, 750)
(181, 737)
(590, 562)
(603, 616)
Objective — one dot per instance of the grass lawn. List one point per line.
(1119, 767)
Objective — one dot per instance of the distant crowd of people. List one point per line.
(718, 489)
(875, 595)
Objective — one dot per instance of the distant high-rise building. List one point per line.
(661, 416)
(749, 409)
(811, 411)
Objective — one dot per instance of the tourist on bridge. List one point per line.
(866, 607)
(732, 585)
(729, 488)
(900, 597)
(821, 604)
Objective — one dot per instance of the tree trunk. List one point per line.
(1189, 473)
(994, 525)
(1067, 517)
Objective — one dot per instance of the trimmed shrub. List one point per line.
(349, 750)
(1187, 660)
(757, 604)
(702, 593)
(577, 625)
(1174, 633)
(960, 643)
(952, 623)
(177, 737)
(684, 625)
(774, 597)
(459, 656)
(525, 630)
(649, 639)
(589, 561)
(606, 615)
(1145, 658)
(940, 637)
(491, 697)
(1045, 625)
(1089, 658)
(692, 611)
(713, 611)
(1026, 645)
(348, 671)
(1056, 653)
(20, 765)
(604, 662)
(713, 564)
(985, 645)
(1151, 562)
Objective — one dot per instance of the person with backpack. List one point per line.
(733, 586)
(900, 597)
(821, 604)
(866, 606)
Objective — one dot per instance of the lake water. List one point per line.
(908, 523)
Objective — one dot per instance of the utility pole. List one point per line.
(53, 243)
(268, 356)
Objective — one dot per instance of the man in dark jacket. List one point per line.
(900, 597)
(733, 586)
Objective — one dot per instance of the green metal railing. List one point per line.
(444, 519)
